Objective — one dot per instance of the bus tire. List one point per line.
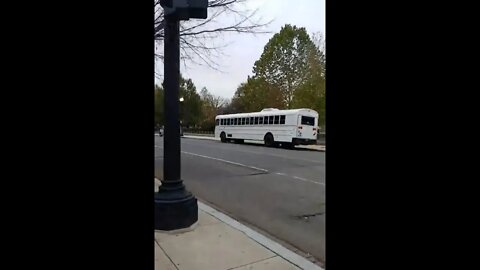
(223, 137)
(268, 139)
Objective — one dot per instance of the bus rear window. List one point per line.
(309, 121)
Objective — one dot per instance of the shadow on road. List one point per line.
(278, 147)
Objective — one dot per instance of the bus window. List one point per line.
(277, 119)
(265, 120)
(256, 120)
(247, 121)
(243, 121)
(282, 119)
(234, 121)
(260, 120)
(216, 122)
(251, 120)
(270, 120)
(307, 120)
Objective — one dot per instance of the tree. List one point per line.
(197, 37)
(256, 94)
(287, 62)
(191, 107)
(211, 106)
(319, 41)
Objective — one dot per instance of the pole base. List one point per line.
(175, 213)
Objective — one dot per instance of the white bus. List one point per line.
(273, 126)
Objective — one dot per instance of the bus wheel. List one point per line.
(269, 140)
(223, 137)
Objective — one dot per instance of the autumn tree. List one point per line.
(256, 94)
(211, 107)
(287, 60)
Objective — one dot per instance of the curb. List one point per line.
(273, 246)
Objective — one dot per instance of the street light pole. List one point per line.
(182, 115)
(175, 207)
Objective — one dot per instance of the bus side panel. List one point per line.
(247, 133)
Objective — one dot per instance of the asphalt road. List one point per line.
(278, 191)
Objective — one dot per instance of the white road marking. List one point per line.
(306, 180)
(301, 179)
(252, 167)
(226, 161)
(263, 153)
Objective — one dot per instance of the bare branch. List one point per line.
(198, 37)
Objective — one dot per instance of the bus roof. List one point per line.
(270, 112)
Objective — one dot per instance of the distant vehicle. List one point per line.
(273, 126)
(161, 131)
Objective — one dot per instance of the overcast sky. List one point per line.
(244, 49)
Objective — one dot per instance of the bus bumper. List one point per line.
(299, 141)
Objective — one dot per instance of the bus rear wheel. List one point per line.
(223, 137)
(268, 139)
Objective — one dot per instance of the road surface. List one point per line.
(277, 191)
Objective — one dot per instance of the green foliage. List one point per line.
(289, 74)
(191, 107)
(256, 94)
(287, 61)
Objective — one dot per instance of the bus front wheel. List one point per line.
(223, 137)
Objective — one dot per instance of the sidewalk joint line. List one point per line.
(164, 252)
(236, 267)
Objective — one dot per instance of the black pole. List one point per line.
(171, 164)
(175, 207)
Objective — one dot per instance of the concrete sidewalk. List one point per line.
(218, 242)
(209, 137)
